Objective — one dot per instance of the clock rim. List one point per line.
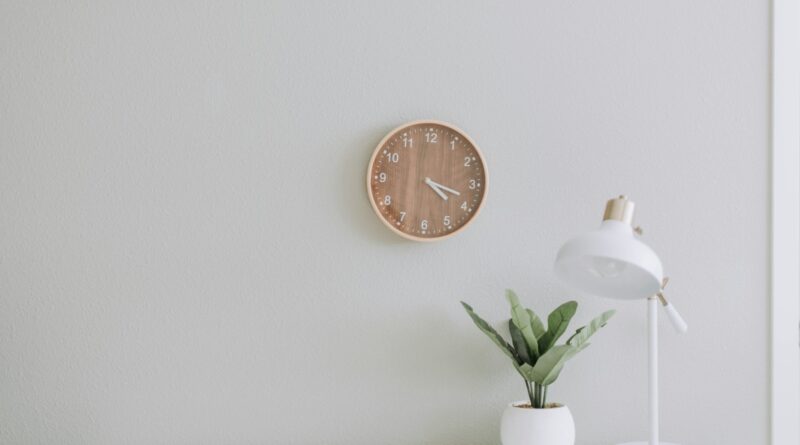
(375, 155)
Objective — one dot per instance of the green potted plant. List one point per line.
(539, 360)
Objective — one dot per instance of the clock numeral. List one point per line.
(472, 184)
(387, 200)
(382, 177)
(423, 224)
(407, 142)
(393, 157)
(467, 161)
(402, 216)
(431, 137)
(446, 220)
(452, 144)
(464, 206)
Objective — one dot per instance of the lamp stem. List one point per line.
(652, 366)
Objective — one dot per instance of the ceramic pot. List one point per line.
(531, 426)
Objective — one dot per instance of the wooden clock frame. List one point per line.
(376, 153)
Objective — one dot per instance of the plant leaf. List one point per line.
(519, 343)
(550, 364)
(581, 335)
(493, 335)
(577, 331)
(526, 371)
(536, 324)
(522, 320)
(557, 323)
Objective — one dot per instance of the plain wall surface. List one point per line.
(187, 253)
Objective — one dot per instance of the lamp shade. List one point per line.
(609, 262)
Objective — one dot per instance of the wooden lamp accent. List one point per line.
(426, 180)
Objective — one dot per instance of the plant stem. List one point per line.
(544, 396)
(530, 391)
(537, 396)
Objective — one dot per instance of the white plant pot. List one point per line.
(530, 426)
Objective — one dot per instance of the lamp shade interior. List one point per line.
(609, 262)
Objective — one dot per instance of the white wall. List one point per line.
(187, 254)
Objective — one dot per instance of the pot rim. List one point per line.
(522, 402)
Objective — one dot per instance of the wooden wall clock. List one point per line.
(426, 180)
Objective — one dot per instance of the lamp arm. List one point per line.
(674, 316)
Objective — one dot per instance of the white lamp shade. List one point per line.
(609, 262)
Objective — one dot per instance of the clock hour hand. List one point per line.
(433, 186)
(440, 186)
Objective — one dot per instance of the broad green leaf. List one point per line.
(581, 335)
(526, 371)
(519, 370)
(577, 331)
(519, 343)
(557, 323)
(492, 334)
(522, 320)
(536, 324)
(551, 363)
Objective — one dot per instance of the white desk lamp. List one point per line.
(611, 262)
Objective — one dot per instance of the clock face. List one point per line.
(426, 180)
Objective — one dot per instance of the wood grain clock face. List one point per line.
(426, 180)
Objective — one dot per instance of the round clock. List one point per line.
(426, 180)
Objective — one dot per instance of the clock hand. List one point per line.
(433, 185)
(447, 189)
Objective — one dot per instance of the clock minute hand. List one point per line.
(445, 188)
(434, 187)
